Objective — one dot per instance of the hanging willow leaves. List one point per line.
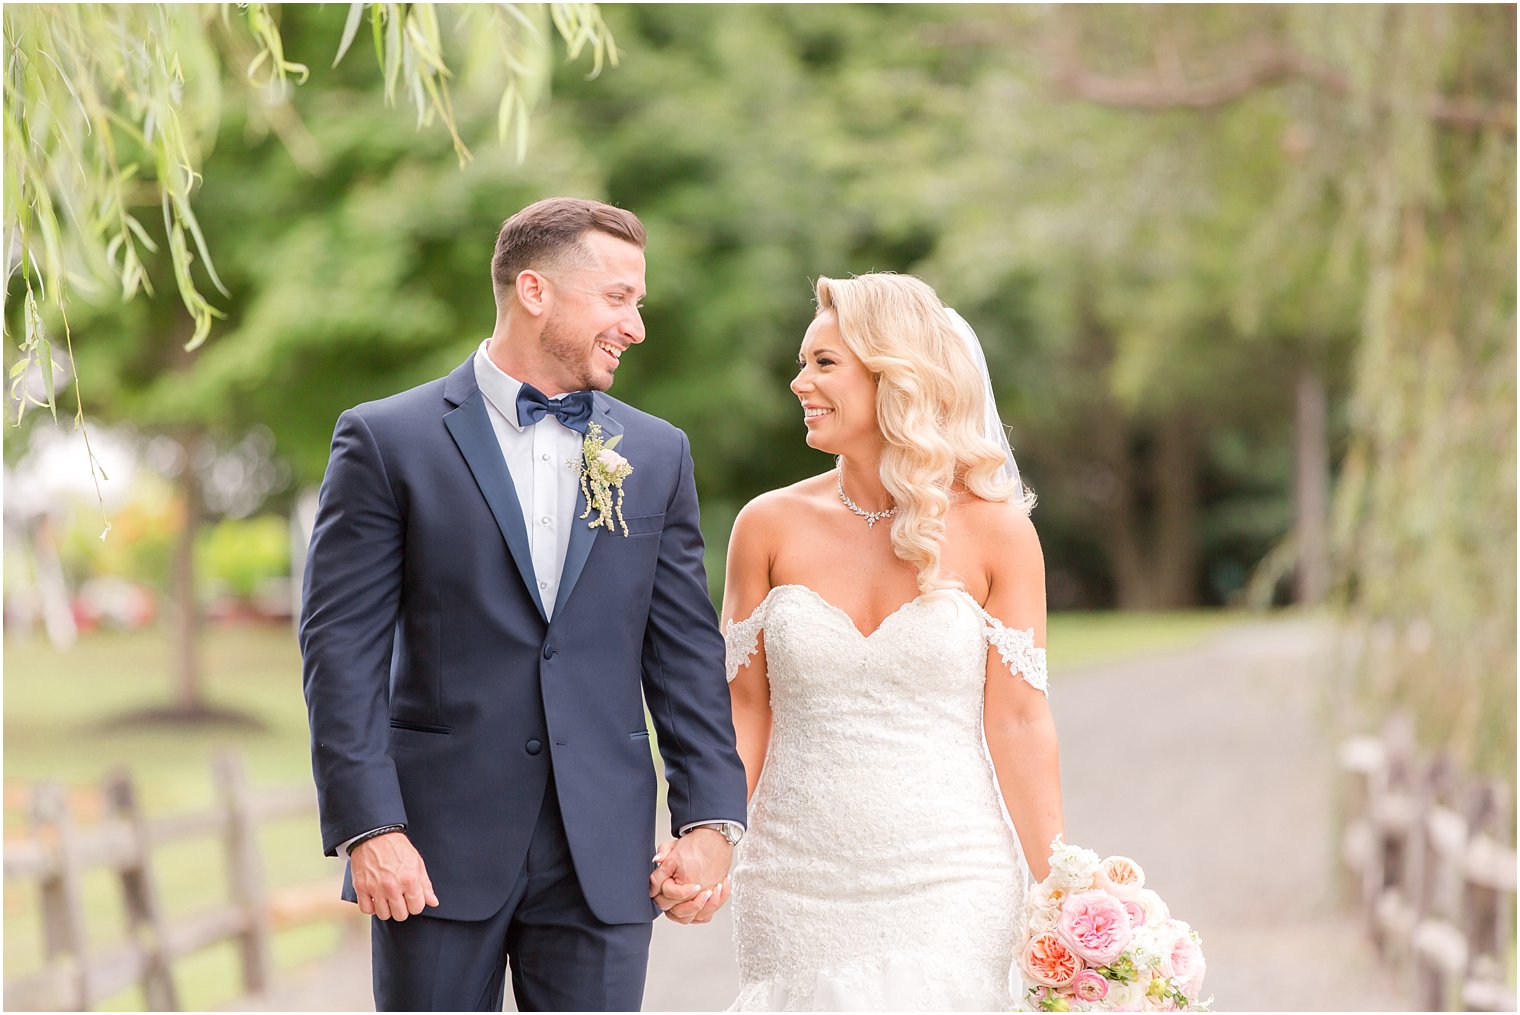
(112, 108)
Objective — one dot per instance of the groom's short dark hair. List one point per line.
(549, 232)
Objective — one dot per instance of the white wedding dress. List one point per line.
(879, 869)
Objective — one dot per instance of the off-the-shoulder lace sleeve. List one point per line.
(1019, 652)
(741, 639)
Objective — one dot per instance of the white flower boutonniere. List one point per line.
(602, 472)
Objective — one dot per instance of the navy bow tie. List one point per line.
(573, 410)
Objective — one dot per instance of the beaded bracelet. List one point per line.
(374, 834)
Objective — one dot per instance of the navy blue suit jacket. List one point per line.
(438, 693)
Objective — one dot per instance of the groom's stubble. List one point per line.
(559, 342)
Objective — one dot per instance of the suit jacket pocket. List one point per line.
(419, 727)
(641, 524)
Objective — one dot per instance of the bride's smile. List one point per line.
(837, 392)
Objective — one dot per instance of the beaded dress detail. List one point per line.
(879, 869)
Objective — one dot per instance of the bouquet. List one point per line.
(1096, 939)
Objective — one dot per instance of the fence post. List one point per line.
(1439, 843)
(63, 933)
(1361, 761)
(146, 925)
(1489, 876)
(1386, 885)
(245, 872)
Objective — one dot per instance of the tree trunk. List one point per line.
(1174, 463)
(189, 696)
(1124, 528)
(1311, 492)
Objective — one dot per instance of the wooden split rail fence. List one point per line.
(1432, 859)
(76, 976)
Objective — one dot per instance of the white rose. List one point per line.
(1051, 896)
(1043, 919)
(611, 460)
(1124, 996)
(1156, 911)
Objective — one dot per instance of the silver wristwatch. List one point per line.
(730, 830)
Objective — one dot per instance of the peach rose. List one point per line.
(1121, 875)
(1095, 926)
(1049, 961)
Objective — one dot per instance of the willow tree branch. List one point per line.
(1248, 71)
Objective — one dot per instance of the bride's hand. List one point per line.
(690, 883)
(691, 903)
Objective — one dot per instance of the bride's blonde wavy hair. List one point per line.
(929, 407)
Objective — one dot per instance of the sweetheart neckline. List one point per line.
(851, 620)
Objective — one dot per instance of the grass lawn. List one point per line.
(63, 722)
(1085, 639)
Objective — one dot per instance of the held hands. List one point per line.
(691, 882)
(390, 878)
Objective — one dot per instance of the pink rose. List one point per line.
(1090, 985)
(611, 460)
(1049, 961)
(1095, 926)
(1183, 961)
(1136, 913)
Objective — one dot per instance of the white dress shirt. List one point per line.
(542, 460)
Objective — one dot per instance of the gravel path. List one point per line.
(1230, 820)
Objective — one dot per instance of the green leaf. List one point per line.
(350, 29)
(377, 31)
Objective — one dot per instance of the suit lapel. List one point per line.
(582, 536)
(471, 429)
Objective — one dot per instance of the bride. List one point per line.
(886, 747)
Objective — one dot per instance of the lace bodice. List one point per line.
(880, 869)
(1016, 646)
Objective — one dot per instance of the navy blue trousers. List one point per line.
(562, 957)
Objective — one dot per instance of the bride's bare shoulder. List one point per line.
(777, 509)
(1000, 531)
(764, 525)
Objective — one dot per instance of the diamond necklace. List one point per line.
(871, 517)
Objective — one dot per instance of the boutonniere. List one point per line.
(602, 472)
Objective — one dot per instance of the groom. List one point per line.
(476, 641)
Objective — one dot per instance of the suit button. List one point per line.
(548, 651)
(533, 747)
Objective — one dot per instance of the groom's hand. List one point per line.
(390, 878)
(690, 883)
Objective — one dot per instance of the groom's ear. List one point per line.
(532, 291)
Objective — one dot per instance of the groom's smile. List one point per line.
(595, 314)
(611, 350)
